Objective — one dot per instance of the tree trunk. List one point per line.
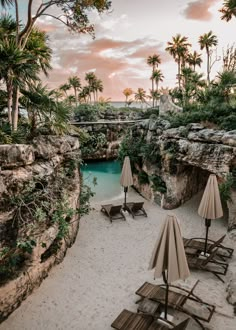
(152, 87)
(9, 101)
(15, 110)
(76, 98)
(208, 66)
(179, 71)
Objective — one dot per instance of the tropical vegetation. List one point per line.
(27, 47)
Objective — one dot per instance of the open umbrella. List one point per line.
(168, 258)
(210, 206)
(126, 178)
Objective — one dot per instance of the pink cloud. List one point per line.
(118, 63)
(199, 10)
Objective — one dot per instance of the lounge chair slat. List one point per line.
(176, 299)
(127, 320)
(199, 243)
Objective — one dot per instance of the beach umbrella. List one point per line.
(210, 207)
(168, 257)
(126, 178)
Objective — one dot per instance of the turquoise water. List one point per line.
(107, 174)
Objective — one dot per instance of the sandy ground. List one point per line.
(107, 264)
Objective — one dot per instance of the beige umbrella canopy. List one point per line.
(210, 206)
(126, 178)
(168, 258)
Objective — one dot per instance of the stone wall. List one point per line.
(113, 114)
(49, 160)
(116, 114)
(187, 155)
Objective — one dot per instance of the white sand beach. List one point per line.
(107, 264)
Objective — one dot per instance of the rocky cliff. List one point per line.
(39, 196)
(175, 162)
(104, 139)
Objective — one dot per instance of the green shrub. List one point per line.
(225, 187)
(92, 142)
(19, 137)
(229, 123)
(86, 112)
(151, 153)
(158, 184)
(171, 147)
(85, 194)
(143, 178)
(150, 112)
(131, 147)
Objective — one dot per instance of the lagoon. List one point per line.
(107, 174)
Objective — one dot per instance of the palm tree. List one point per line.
(70, 100)
(20, 66)
(155, 95)
(178, 48)
(97, 86)
(84, 95)
(140, 96)
(153, 61)
(57, 94)
(193, 83)
(75, 83)
(17, 68)
(43, 111)
(207, 41)
(36, 100)
(90, 78)
(194, 59)
(127, 92)
(157, 76)
(64, 88)
(37, 46)
(227, 80)
(102, 101)
(75, 17)
(228, 10)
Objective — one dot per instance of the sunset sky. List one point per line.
(125, 37)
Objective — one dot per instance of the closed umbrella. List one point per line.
(168, 258)
(126, 178)
(210, 206)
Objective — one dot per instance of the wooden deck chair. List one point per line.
(210, 264)
(114, 212)
(127, 320)
(199, 243)
(178, 299)
(136, 209)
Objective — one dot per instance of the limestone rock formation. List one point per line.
(166, 105)
(180, 160)
(51, 166)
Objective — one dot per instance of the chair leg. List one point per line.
(144, 212)
(218, 276)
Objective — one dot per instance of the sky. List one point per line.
(127, 35)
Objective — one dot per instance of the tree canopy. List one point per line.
(72, 13)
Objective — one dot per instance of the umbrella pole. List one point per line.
(167, 289)
(207, 224)
(125, 190)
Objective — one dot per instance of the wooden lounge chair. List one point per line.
(209, 264)
(178, 299)
(114, 212)
(136, 209)
(199, 243)
(134, 321)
